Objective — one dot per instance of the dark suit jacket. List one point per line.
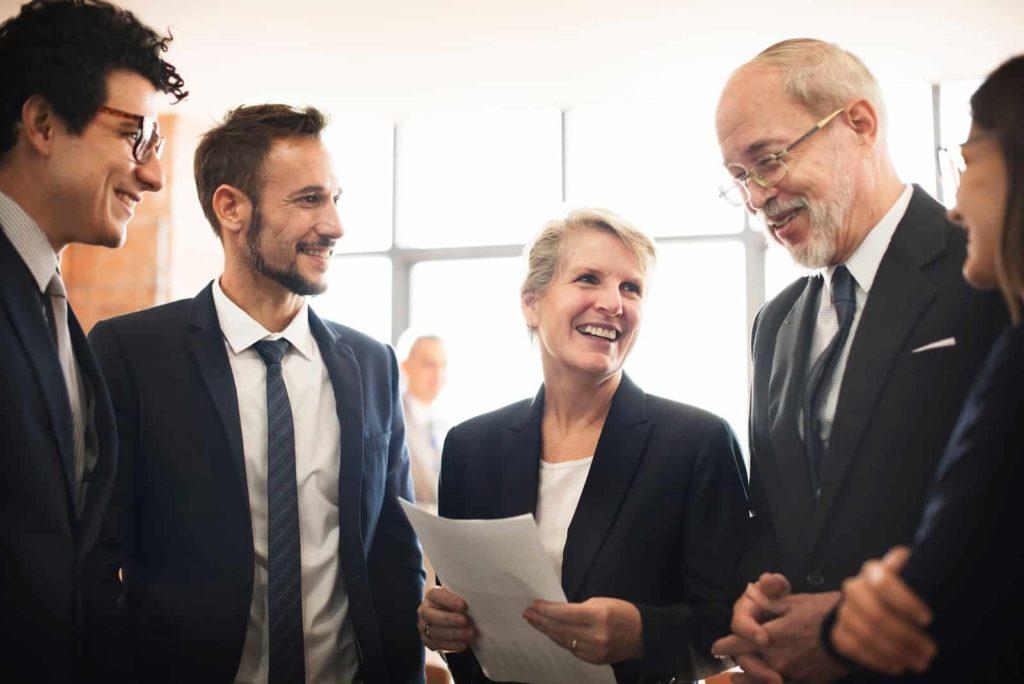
(180, 522)
(895, 411)
(42, 541)
(660, 522)
(967, 562)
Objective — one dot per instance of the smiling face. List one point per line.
(809, 212)
(95, 179)
(292, 232)
(588, 318)
(981, 205)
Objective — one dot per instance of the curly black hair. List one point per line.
(64, 50)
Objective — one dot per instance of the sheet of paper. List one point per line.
(500, 567)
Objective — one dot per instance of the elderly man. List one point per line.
(79, 148)
(425, 367)
(256, 515)
(859, 369)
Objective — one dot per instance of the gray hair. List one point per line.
(822, 76)
(544, 255)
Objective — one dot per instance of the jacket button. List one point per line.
(815, 578)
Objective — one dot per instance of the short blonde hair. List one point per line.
(544, 255)
(822, 76)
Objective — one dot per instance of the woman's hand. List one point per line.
(599, 630)
(444, 623)
(881, 622)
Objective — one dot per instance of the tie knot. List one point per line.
(55, 288)
(843, 285)
(271, 351)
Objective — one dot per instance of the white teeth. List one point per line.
(598, 332)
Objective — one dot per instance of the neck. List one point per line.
(21, 183)
(573, 400)
(268, 302)
(872, 199)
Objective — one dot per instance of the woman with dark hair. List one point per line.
(952, 606)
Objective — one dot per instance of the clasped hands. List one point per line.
(776, 634)
(598, 630)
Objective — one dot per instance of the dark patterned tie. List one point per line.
(844, 298)
(284, 566)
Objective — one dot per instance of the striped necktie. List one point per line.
(284, 563)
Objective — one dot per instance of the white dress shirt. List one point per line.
(331, 651)
(863, 266)
(558, 495)
(424, 435)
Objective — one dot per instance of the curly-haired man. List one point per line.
(79, 146)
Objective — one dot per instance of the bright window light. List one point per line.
(911, 137)
(954, 123)
(359, 295)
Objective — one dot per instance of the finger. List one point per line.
(891, 590)
(774, 585)
(446, 618)
(896, 558)
(881, 629)
(758, 671)
(747, 617)
(562, 634)
(445, 646)
(734, 645)
(855, 640)
(445, 598)
(566, 613)
(438, 633)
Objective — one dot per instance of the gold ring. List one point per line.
(575, 643)
(426, 630)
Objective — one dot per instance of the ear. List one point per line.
(39, 124)
(863, 119)
(233, 209)
(528, 303)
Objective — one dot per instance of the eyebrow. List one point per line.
(313, 189)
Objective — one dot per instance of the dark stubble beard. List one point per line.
(289, 278)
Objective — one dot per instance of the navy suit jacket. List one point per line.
(895, 412)
(660, 523)
(180, 525)
(42, 540)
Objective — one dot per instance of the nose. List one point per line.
(331, 225)
(150, 174)
(760, 196)
(609, 301)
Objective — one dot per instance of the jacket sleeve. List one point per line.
(106, 571)
(677, 639)
(395, 562)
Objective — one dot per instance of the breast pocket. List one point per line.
(928, 361)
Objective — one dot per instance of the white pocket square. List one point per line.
(937, 344)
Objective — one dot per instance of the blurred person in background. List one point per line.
(858, 370)
(639, 501)
(79, 148)
(255, 533)
(424, 364)
(952, 606)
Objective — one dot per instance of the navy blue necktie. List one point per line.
(844, 298)
(284, 562)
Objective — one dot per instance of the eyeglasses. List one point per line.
(767, 171)
(148, 140)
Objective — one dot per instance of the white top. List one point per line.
(331, 653)
(424, 436)
(863, 266)
(561, 485)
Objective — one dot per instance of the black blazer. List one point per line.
(42, 541)
(895, 411)
(967, 562)
(180, 522)
(660, 522)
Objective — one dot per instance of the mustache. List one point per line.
(323, 242)
(775, 206)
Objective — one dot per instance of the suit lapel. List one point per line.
(346, 380)
(618, 453)
(886, 323)
(18, 292)
(520, 460)
(789, 366)
(207, 343)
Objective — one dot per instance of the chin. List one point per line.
(978, 277)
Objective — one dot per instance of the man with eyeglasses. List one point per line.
(79, 148)
(860, 368)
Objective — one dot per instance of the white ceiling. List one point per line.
(395, 57)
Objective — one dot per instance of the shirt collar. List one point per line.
(864, 262)
(29, 242)
(242, 331)
(419, 412)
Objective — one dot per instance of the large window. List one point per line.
(438, 208)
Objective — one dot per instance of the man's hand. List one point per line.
(881, 623)
(775, 634)
(599, 630)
